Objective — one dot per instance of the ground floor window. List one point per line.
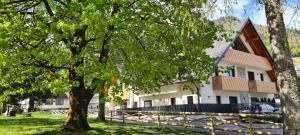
(59, 101)
(190, 100)
(124, 104)
(173, 101)
(49, 101)
(135, 104)
(147, 103)
(233, 100)
(218, 99)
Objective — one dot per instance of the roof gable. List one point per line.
(251, 36)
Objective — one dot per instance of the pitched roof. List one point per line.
(246, 26)
(220, 47)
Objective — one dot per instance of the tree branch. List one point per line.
(48, 8)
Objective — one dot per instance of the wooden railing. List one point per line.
(240, 123)
(260, 86)
(246, 59)
(226, 83)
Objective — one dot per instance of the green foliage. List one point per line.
(142, 43)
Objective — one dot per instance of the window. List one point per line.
(135, 104)
(190, 100)
(231, 72)
(59, 101)
(218, 99)
(251, 76)
(261, 77)
(147, 103)
(49, 102)
(124, 104)
(254, 99)
(239, 45)
(173, 101)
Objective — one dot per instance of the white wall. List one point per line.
(165, 99)
(65, 105)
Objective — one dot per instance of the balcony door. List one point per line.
(251, 76)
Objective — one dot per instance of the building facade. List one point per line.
(249, 76)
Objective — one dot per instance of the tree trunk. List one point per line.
(101, 113)
(78, 111)
(79, 98)
(287, 80)
(31, 104)
(3, 107)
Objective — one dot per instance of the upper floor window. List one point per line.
(262, 77)
(231, 72)
(239, 45)
(251, 76)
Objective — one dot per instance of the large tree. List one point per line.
(80, 45)
(287, 80)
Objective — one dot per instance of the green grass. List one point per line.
(47, 124)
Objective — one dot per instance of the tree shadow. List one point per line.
(31, 121)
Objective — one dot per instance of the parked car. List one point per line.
(259, 108)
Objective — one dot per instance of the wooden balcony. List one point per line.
(246, 59)
(230, 83)
(263, 87)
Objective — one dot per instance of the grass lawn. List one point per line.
(47, 124)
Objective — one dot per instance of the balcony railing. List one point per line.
(167, 89)
(263, 87)
(246, 59)
(230, 83)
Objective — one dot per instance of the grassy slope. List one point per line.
(46, 124)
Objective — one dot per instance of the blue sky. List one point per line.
(249, 8)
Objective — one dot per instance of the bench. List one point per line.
(27, 114)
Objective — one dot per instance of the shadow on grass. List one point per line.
(116, 128)
(49, 125)
(31, 121)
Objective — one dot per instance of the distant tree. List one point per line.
(79, 46)
(14, 91)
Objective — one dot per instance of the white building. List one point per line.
(251, 79)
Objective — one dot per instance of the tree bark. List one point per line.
(31, 104)
(79, 99)
(287, 80)
(78, 111)
(3, 107)
(101, 113)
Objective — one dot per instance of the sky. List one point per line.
(256, 12)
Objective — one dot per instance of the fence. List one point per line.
(231, 122)
(214, 108)
(217, 108)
